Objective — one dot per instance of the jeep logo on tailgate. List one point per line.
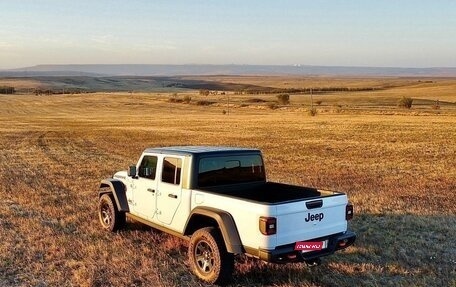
(313, 217)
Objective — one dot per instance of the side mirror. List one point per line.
(132, 171)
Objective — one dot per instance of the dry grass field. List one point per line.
(313, 81)
(398, 167)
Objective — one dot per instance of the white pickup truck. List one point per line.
(218, 198)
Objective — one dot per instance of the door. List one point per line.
(146, 187)
(169, 189)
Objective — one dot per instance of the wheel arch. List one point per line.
(201, 217)
(118, 190)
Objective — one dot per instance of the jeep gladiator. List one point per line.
(218, 198)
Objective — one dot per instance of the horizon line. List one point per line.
(231, 64)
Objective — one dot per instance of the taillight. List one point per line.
(349, 211)
(268, 225)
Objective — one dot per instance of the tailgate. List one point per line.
(309, 219)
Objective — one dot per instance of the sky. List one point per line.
(381, 33)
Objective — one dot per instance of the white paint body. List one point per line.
(170, 206)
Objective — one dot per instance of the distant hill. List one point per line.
(185, 70)
(30, 72)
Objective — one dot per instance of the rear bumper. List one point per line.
(287, 253)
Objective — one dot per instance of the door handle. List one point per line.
(151, 190)
(172, 195)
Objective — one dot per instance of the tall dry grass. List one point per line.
(398, 170)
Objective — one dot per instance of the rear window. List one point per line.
(230, 170)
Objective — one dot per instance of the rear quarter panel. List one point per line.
(245, 213)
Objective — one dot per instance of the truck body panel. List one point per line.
(171, 183)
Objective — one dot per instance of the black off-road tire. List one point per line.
(110, 217)
(208, 257)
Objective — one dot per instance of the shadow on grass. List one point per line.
(391, 250)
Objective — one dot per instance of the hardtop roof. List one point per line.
(190, 150)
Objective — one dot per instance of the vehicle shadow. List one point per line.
(391, 250)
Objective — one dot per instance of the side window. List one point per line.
(171, 170)
(148, 167)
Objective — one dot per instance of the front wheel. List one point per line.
(208, 257)
(110, 217)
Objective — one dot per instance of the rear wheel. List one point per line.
(110, 217)
(208, 257)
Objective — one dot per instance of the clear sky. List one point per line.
(394, 33)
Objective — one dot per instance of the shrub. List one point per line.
(338, 108)
(319, 102)
(313, 112)
(284, 99)
(187, 99)
(272, 106)
(204, 103)
(204, 92)
(174, 99)
(436, 105)
(255, 100)
(405, 102)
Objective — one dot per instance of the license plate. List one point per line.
(308, 246)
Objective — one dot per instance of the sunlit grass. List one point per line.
(398, 170)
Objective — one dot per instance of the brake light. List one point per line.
(349, 211)
(268, 225)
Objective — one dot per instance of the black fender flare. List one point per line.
(226, 225)
(118, 190)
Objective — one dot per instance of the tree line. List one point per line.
(7, 90)
(39, 92)
(318, 90)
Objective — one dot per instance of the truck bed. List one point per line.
(269, 192)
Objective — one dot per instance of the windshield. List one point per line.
(234, 169)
